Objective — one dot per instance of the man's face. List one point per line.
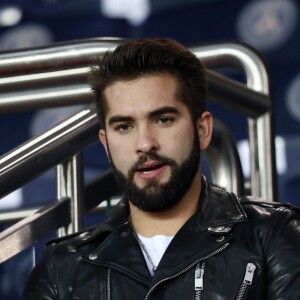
(151, 141)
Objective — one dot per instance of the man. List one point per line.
(173, 235)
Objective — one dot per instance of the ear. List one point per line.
(205, 127)
(102, 138)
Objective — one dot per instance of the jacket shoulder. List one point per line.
(81, 241)
(93, 236)
(255, 203)
(73, 238)
(271, 215)
(277, 229)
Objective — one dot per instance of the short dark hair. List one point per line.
(151, 56)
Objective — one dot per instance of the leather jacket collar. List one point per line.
(204, 233)
(216, 208)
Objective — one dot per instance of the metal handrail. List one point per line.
(223, 160)
(55, 215)
(246, 101)
(261, 135)
(47, 150)
(51, 57)
(29, 230)
(70, 82)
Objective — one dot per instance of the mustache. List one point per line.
(151, 156)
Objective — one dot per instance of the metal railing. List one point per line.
(56, 75)
(261, 135)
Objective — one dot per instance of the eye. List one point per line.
(165, 120)
(122, 128)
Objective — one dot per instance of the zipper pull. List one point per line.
(249, 273)
(199, 274)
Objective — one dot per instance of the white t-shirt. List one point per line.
(156, 247)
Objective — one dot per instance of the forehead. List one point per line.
(142, 95)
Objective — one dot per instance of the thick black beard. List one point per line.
(155, 197)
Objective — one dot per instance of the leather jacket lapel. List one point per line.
(189, 246)
(218, 207)
(121, 251)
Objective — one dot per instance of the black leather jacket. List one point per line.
(230, 249)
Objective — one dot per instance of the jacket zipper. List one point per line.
(248, 278)
(199, 275)
(108, 284)
(187, 268)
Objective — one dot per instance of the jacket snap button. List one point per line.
(220, 229)
(84, 236)
(220, 238)
(124, 234)
(93, 256)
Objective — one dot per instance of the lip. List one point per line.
(151, 170)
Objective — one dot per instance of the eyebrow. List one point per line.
(157, 112)
(118, 119)
(163, 110)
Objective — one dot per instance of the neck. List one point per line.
(170, 221)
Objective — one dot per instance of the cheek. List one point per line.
(179, 145)
(120, 154)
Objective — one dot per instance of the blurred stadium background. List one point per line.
(271, 26)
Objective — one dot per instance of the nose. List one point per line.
(147, 141)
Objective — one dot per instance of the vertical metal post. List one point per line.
(262, 142)
(261, 136)
(70, 184)
(33, 256)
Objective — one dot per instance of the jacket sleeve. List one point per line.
(283, 256)
(42, 283)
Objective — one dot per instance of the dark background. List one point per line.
(271, 26)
